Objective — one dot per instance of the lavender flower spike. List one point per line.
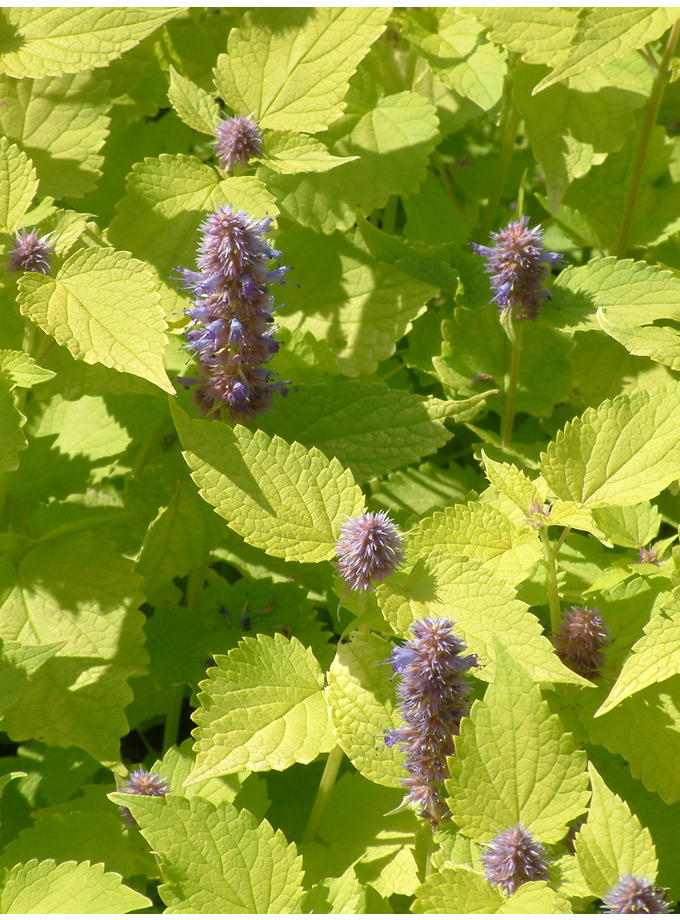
(580, 640)
(513, 858)
(633, 895)
(31, 253)
(142, 783)
(232, 327)
(519, 265)
(369, 549)
(238, 139)
(432, 701)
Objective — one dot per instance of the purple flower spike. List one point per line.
(648, 555)
(238, 139)
(369, 549)
(633, 895)
(432, 702)
(231, 323)
(513, 858)
(518, 265)
(580, 640)
(31, 253)
(142, 783)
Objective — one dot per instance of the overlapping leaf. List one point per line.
(18, 184)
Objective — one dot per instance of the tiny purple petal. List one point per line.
(237, 140)
(31, 253)
(580, 640)
(634, 895)
(369, 549)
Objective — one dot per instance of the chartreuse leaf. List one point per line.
(51, 41)
(18, 184)
(571, 131)
(457, 890)
(536, 898)
(343, 895)
(280, 497)
(515, 763)
(290, 68)
(17, 663)
(360, 307)
(632, 526)
(362, 704)
(61, 124)
(76, 591)
(605, 34)
(290, 153)
(645, 729)
(12, 439)
(214, 859)
(368, 427)
(538, 35)
(453, 44)
(194, 105)
(478, 531)
(474, 343)
(167, 198)
(393, 140)
(22, 369)
(262, 708)
(82, 426)
(70, 888)
(104, 307)
(482, 604)
(654, 658)
(513, 482)
(623, 452)
(612, 843)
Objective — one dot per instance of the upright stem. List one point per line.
(428, 854)
(510, 120)
(191, 600)
(551, 574)
(651, 114)
(323, 794)
(511, 391)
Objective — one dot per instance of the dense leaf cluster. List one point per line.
(171, 606)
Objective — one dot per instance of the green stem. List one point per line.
(511, 390)
(551, 578)
(191, 601)
(172, 717)
(443, 175)
(509, 124)
(651, 114)
(563, 537)
(323, 794)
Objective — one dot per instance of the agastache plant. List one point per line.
(519, 265)
(634, 895)
(432, 700)
(369, 550)
(141, 782)
(231, 330)
(580, 640)
(237, 140)
(31, 253)
(512, 858)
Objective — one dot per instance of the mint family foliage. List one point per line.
(339, 460)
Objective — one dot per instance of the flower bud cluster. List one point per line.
(140, 782)
(580, 640)
(633, 895)
(31, 253)
(519, 265)
(369, 549)
(231, 329)
(237, 140)
(432, 696)
(513, 858)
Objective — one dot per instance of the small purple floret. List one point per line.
(231, 329)
(632, 895)
(31, 253)
(140, 782)
(519, 265)
(513, 858)
(238, 139)
(432, 695)
(369, 549)
(580, 640)
(648, 555)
